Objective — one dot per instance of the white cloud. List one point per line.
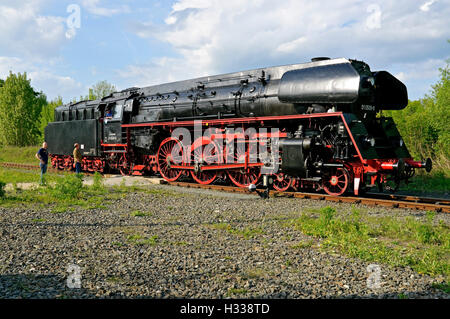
(182, 5)
(42, 78)
(170, 20)
(93, 7)
(290, 46)
(426, 6)
(158, 70)
(24, 31)
(214, 36)
(419, 76)
(426, 69)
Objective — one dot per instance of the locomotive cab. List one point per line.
(112, 123)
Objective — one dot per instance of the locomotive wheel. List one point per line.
(281, 182)
(336, 182)
(170, 152)
(68, 164)
(243, 177)
(206, 154)
(124, 167)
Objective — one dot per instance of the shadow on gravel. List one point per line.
(18, 286)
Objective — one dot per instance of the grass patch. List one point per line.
(116, 243)
(138, 239)
(16, 154)
(246, 233)
(68, 187)
(97, 182)
(445, 287)
(138, 213)
(254, 273)
(422, 245)
(114, 279)
(428, 182)
(303, 244)
(65, 194)
(14, 176)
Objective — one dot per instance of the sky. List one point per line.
(67, 46)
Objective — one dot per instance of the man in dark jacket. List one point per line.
(42, 156)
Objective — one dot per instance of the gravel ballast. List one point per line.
(179, 248)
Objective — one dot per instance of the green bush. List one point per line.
(98, 181)
(326, 214)
(69, 187)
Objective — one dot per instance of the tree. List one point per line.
(98, 91)
(48, 113)
(20, 110)
(440, 110)
(101, 89)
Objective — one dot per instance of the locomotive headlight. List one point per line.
(368, 82)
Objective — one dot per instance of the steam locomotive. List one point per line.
(316, 125)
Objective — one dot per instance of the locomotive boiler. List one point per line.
(316, 125)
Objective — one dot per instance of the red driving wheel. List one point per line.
(281, 182)
(207, 154)
(336, 182)
(244, 177)
(170, 153)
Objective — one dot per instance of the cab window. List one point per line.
(117, 111)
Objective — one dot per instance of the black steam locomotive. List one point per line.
(314, 125)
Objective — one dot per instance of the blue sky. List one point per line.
(139, 43)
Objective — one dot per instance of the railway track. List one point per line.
(369, 199)
(36, 167)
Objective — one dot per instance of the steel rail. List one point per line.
(404, 201)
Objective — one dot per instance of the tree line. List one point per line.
(25, 112)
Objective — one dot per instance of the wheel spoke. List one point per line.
(337, 182)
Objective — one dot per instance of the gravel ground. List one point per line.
(119, 255)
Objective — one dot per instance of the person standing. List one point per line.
(42, 156)
(77, 158)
